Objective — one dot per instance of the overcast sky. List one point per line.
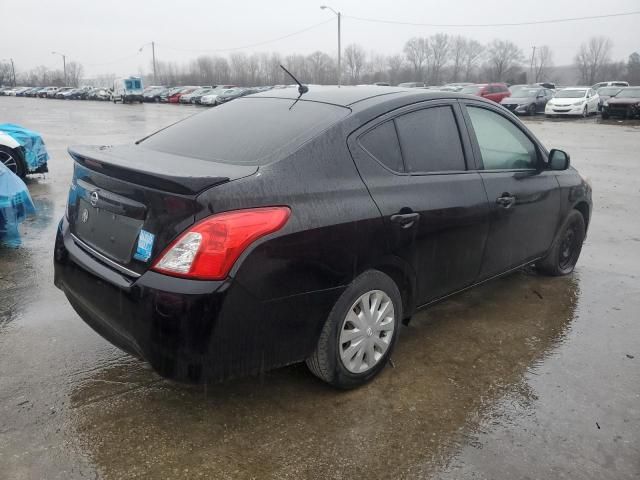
(105, 35)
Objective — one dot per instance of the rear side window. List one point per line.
(247, 131)
(430, 140)
(382, 144)
(503, 145)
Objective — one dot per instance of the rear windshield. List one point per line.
(247, 131)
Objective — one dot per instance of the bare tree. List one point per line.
(472, 54)
(504, 57)
(592, 58)
(320, 67)
(6, 74)
(633, 69)
(439, 46)
(354, 59)
(395, 63)
(417, 52)
(542, 63)
(458, 47)
(74, 73)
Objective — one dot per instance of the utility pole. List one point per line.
(339, 15)
(533, 56)
(64, 65)
(153, 53)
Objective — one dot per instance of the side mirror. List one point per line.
(558, 160)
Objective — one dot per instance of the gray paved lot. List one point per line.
(526, 377)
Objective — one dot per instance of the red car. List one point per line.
(490, 91)
(175, 98)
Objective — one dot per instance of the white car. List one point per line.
(582, 101)
(210, 99)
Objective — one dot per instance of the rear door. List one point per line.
(523, 196)
(414, 163)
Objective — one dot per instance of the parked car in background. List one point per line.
(127, 90)
(412, 85)
(47, 92)
(53, 91)
(491, 91)
(549, 85)
(175, 97)
(625, 104)
(21, 92)
(575, 101)
(164, 96)
(62, 93)
(527, 100)
(22, 150)
(615, 83)
(605, 93)
(210, 98)
(305, 228)
(154, 94)
(197, 97)
(454, 87)
(186, 97)
(234, 93)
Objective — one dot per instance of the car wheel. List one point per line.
(157, 100)
(12, 160)
(360, 332)
(531, 110)
(566, 248)
(585, 112)
(605, 116)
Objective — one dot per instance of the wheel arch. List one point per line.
(404, 278)
(583, 208)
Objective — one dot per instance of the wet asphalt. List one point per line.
(527, 377)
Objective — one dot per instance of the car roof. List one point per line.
(343, 96)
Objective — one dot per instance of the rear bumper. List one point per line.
(190, 331)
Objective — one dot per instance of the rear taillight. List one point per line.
(208, 250)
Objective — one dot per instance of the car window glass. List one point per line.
(382, 144)
(430, 140)
(503, 146)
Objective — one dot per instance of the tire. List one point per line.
(12, 159)
(605, 116)
(585, 112)
(566, 247)
(379, 338)
(531, 110)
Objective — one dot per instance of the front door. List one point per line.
(523, 196)
(435, 209)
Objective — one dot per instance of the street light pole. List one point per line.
(339, 15)
(64, 65)
(153, 53)
(13, 72)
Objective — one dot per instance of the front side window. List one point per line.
(127, 84)
(503, 145)
(430, 141)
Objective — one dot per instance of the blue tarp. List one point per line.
(35, 152)
(15, 205)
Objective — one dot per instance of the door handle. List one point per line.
(506, 200)
(405, 220)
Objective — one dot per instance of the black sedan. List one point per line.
(527, 100)
(276, 229)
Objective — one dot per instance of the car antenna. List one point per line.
(302, 89)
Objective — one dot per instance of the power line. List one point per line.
(229, 49)
(513, 24)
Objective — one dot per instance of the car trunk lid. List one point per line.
(126, 204)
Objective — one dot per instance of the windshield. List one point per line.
(629, 93)
(247, 131)
(611, 91)
(471, 90)
(571, 93)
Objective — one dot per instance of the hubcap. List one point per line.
(9, 162)
(367, 331)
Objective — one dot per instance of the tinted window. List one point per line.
(430, 140)
(249, 131)
(382, 144)
(502, 144)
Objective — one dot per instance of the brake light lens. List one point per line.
(208, 250)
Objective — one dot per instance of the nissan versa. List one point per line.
(285, 227)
